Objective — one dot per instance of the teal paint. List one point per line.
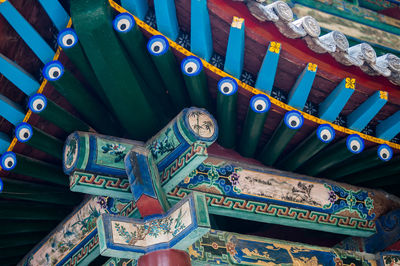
(196, 82)
(235, 51)
(167, 22)
(11, 111)
(138, 8)
(331, 107)
(56, 13)
(165, 62)
(4, 142)
(42, 50)
(266, 76)
(301, 89)
(365, 160)
(389, 128)
(201, 39)
(310, 146)
(360, 117)
(18, 76)
(68, 40)
(332, 155)
(226, 111)
(281, 137)
(253, 124)
(112, 67)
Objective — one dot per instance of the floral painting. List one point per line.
(69, 235)
(74, 230)
(71, 153)
(163, 145)
(111, 153)
(154, 231)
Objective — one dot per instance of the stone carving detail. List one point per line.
(391, 62)
(283, 11)
(262, 12)
(310, 25)
(335, 42)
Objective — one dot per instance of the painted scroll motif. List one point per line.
(70, 235)
(223, 248)
(227, 178)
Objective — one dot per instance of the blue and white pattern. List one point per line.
(67, 38)
(355, 143)
(191, 66)
(325, 133)
(23, 132)
(294, 119)
(227, 86)
(8, 161)
(157, 45)
(53, 71)
(37, 103)
(123, 22)
(385, 153)
(260, 103)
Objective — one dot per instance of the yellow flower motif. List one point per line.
(383, 95)
(350, 83)
(237, 22)
(275, 47)
(312, 67)
(186, 180)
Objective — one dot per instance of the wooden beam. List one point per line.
(201, 43)
(227, 112)
(12, 112)
(29, 211)
(234, 56)
(359, 118)
(165, 62)
(27, 166)
(266, 75)
(38, 45)
(310, 146)
(253, 125)
(56, 13)
(196, 82)
(78, 96)
(167, 22)
(301, 89)
(138, 8)
(389, 128)
(18, 76)
(14, 189)
(333, 154)
(22, 226)
(281, 137)
(331, 107)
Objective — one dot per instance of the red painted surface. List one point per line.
(165, 257)
(297, 48)
(395, 246)
(149, 206)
